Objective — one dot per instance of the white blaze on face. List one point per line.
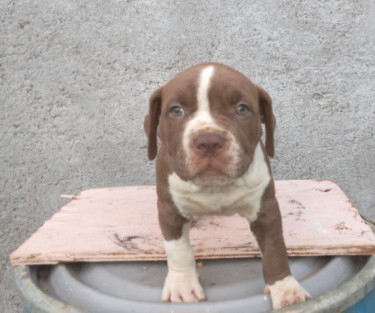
(202, 117)
(203, 88)
(203, 120)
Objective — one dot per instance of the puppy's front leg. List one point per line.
(182, 283)
(267, 228)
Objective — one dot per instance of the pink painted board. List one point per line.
(120, 224)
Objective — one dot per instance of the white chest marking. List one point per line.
(243, 195)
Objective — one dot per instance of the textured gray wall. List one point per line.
(76, 77)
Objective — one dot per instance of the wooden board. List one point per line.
(120, 224)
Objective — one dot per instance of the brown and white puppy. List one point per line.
(212, 161)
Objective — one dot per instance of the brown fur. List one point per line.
(228, 88)
(268, 231)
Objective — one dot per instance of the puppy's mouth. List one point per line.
(212, 160)
(211, 173)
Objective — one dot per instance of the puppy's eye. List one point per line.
(242, 109)
(176, 111)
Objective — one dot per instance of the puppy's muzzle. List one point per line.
(208, 144)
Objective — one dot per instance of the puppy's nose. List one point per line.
(208, 144)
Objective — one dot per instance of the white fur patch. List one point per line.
(203, 120)
(203, 88)
(241, 195)
(287, 291)
(182, 283)
(202, 117)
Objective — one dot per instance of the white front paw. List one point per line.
(182, 287)
(286, 292)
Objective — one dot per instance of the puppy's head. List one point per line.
(208, 119)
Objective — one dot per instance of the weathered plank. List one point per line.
(120, 224)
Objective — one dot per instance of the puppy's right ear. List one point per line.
(151, 123)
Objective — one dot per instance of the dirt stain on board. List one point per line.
(126, 242)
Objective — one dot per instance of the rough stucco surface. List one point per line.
(76, 76)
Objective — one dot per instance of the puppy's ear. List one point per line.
(151, 123)
(265, 108)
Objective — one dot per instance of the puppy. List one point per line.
(212, 161)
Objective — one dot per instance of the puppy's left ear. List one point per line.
(151, 123)
(265, 108)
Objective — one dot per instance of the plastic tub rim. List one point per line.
(336, 300)
(34, 299)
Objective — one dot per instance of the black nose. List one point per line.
(208, 144)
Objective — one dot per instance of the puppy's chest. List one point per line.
(195, 202)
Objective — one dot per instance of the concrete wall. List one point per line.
(76, 76)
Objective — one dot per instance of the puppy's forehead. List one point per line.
(184, 82)
(211, 78)
(231, 84)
